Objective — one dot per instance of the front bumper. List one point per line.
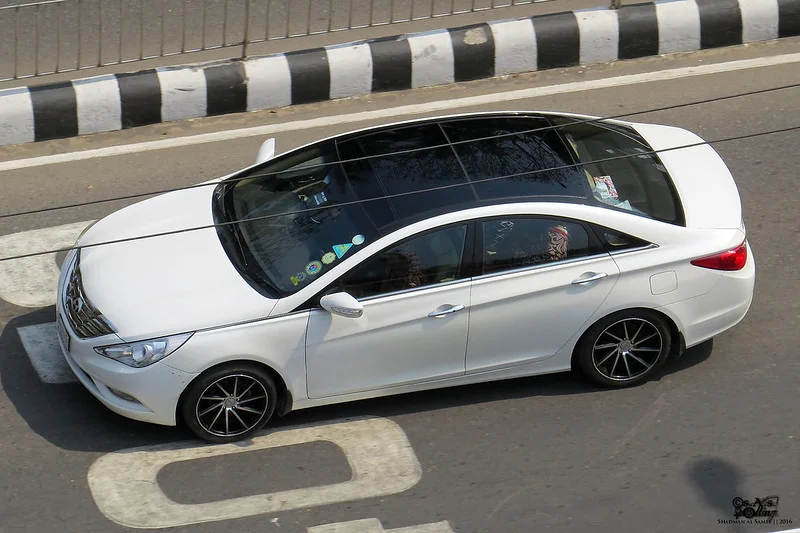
(148, 394)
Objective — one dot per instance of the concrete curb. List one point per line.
(114, 102)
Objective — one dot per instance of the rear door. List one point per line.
(542, 279)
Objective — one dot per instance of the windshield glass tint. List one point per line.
(515, 157)
(401, 162)
(621, 171)
(293, 226)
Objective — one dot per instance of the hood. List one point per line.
(167, 284)
(704, 183)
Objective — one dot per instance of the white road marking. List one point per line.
(32, 281)
(41, 343)
(126, 490)
(440, 105)
(373, 525)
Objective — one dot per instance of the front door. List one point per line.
(414, 327)
(542, 279)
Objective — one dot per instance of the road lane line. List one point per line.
(373, 525)
(125, 487)
(41, 344)
(32, 281)
(413, 109)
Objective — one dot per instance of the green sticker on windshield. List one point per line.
(341, 249)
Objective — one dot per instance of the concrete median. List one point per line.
(119, 101)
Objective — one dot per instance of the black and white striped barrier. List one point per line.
(113, 102)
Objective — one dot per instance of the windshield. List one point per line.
(295, 220)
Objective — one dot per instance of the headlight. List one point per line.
(143, 353)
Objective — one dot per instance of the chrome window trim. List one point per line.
(549, 264)
(637, 249)
(412, 289)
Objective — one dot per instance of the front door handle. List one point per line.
(444, 310)
(593, 277)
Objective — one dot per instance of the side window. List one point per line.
(615, 241)
(517, 242)
(426, 260)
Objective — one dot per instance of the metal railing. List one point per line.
(54, 36)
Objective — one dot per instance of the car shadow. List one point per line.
(66, 415)
(70, 418)
(561, 384)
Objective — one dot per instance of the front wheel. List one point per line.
(229, 403)
(625, 348)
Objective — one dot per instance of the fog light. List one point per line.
(124, 396)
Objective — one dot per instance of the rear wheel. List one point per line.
(229, 403)
(625, 348)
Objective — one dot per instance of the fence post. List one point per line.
(246, 39)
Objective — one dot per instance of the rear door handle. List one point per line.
(444, 310)
(593, 277)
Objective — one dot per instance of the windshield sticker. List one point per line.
(297, 278)
(313, 268)
(358, 240)
(341, 249)
(320, 198)
(328, 258)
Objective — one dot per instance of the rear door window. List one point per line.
(510, 243)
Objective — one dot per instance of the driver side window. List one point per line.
(432, 258)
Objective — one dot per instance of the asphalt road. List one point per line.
(545, 453)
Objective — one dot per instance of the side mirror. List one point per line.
(267, 151)
(342, 304)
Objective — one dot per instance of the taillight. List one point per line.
(731, 260)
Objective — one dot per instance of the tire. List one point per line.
(624, 349)
(229, 403)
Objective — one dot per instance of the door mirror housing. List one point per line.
(342, 304)
(267, 151)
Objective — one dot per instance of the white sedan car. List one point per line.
(413, 256)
